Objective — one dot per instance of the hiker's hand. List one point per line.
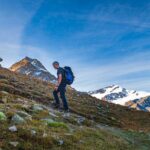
(56, 88)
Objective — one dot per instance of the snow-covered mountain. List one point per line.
(122, 96)
(34, 68)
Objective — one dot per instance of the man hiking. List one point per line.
(60, 87)
(1, 61)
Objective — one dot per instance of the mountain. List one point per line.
(118, 95)
(140, 104)
(28, 121)
(34, 68)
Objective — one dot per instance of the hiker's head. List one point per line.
(56, 64)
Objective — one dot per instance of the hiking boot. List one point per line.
(61, 109)
(66, 111)
(66, 114)
(55, 105)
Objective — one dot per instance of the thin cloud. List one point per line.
(96, 76)
(122, 14)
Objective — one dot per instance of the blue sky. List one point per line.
(104, 41)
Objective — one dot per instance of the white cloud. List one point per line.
(122, 14)
(96, 76)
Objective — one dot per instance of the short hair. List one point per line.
(55, 63)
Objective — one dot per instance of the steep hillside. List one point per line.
(34, 68)
(29, 122)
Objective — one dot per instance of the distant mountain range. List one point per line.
(34, 68)
(118, 95)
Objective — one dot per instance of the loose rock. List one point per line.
(44, 135)
(14, 143)
(52, 114)
(37, 107)
(80, 120)
(60, 142)
(13, 129)
(33, 132)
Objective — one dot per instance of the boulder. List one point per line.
(24, 115)
(17, 119)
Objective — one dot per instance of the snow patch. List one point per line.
(35, 64)
(115, 91)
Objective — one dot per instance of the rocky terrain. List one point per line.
(122, 96)
(34, 68)
(28, 121)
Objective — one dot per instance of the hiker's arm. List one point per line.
(59, 80)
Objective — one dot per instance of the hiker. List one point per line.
(1, 61)
(65, 76)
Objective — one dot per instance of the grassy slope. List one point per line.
(87, 136)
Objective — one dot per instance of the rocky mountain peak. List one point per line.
(33, 67)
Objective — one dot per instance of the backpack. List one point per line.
(69, 76)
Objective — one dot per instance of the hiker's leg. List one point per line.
(63, 97)
(55, 94)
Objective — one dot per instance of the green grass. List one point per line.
(57, 125)
(2, 116)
